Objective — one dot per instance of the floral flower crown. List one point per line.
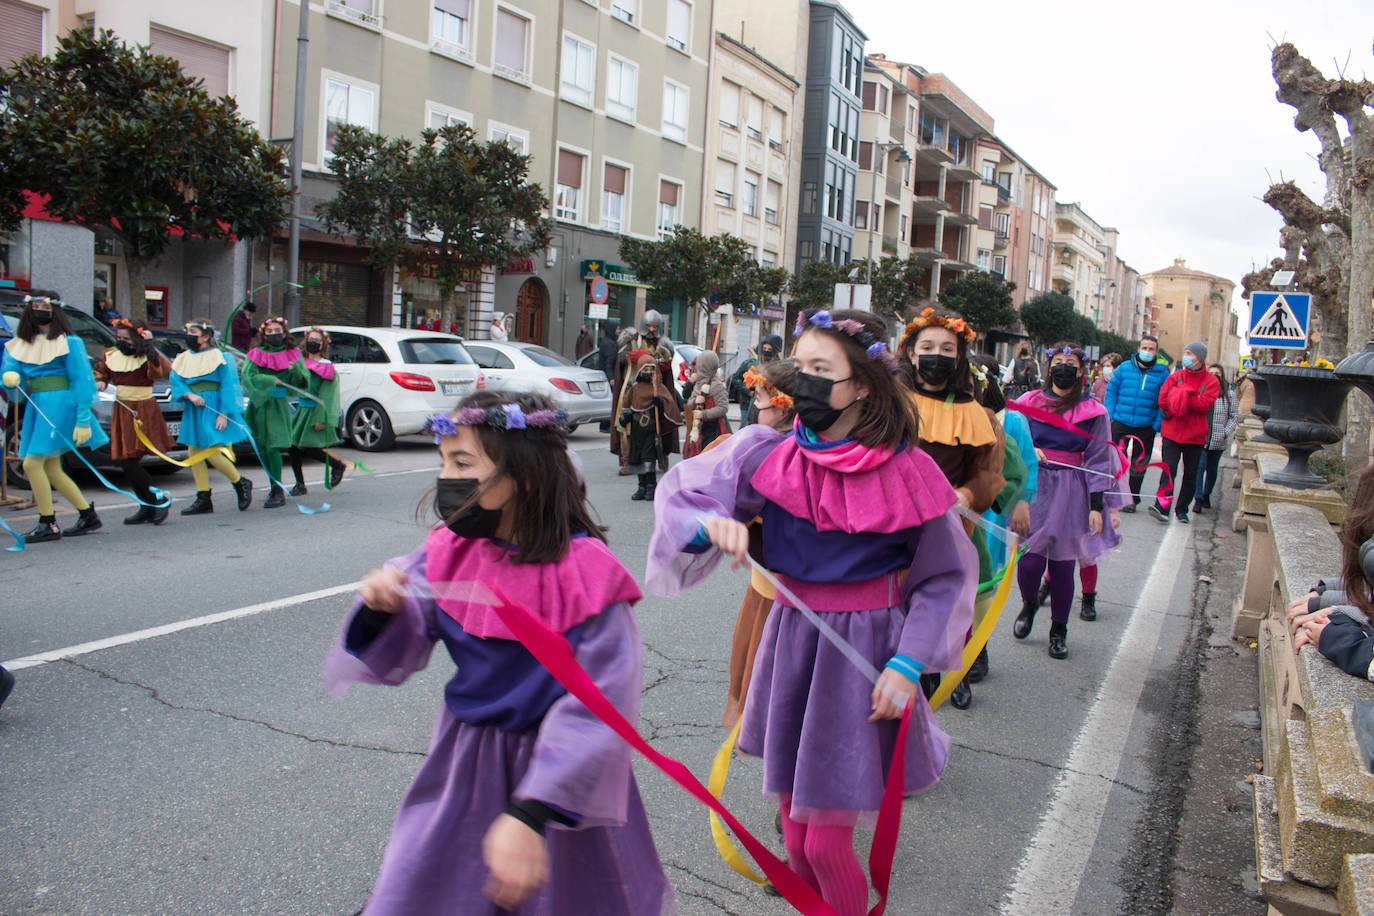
(1075, 352)
(504, 417)
(274, 319)
(776, 398)
(201, 326)
(928, 318)
(124, 323)
(321, 331)
(874, 347)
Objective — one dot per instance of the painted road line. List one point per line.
(1056, 858)
(43, 658)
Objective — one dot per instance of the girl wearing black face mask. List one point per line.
(647, 410)
(206, 386)
(512, 752)
(274, 361)
(132, 365)
(315, 425)
(959, 433)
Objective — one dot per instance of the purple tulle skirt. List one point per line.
(433, 862)
(1059, 517)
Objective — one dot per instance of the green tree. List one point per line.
(896, 285)
(119, 138)
(1049, 317)
(452, 202)
(693, 267)
(984, 300)
(814, 287)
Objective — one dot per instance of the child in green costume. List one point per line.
(315, 426)
(272, 365)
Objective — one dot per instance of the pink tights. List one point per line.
(824, 857)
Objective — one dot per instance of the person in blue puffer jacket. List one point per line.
(1132, 403)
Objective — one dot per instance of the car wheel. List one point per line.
(369, 428)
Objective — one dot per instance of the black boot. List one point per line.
(45, 530)
(1059, 640)
(979, 669)
(6, 685)
(336, 472)
(201, 505)
(144, 514)
(643, 488)
(86, 522)
(962, 695)
(1043, 595)
(1087, 608)
(652, 485)
(299, 489)
(929, 684)
(160, 512)
(244, 488)
(1022, 626)
(276, 498)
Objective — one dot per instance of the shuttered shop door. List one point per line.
(21, 31)
(340, 296)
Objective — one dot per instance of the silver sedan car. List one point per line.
(511, 366)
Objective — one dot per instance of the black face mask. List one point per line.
(42, 319)
(935, 368)
(811, 395)
(766, 355)
(193, 341)
(274, 340)
(1063, 375)
(451, 495)
(312, 346)
(126, 347)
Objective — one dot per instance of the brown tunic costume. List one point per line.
(133, 377)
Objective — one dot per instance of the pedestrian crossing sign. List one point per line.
(1279, 319)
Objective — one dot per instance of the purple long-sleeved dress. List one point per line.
(866, 538)
(508, 730)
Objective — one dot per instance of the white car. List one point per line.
(393, 379)
(525, 367)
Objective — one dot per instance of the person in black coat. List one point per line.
(607, 348)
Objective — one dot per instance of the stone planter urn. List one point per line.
(1305, 410)
(1261, 405)
(1358, 369)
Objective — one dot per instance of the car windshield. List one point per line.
(434, 351)
(545, 357)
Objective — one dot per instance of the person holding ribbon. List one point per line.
(873, 571)
(50, 363)
(1073, 437)
(526, 801)
(957, 431)
(272, 368)
(315, 425)
(132, 365)
(211, 415)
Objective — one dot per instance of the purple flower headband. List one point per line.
(873, 347)
(504, 417)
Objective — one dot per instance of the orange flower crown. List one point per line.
(779, 400)
(928, 318)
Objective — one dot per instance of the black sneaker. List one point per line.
(299, 490)
(336, 472)
(1183, 518)
(1159, 514)
(6, 684)
(1129, 507)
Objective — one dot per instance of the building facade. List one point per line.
(1080, 260)
(1194, 305)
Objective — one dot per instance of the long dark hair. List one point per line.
(29, 328)
(1358, 528)
(961, 381)
(991, 397)
(1069, 401)
(136, 327)
(887, 417)
(550, 503)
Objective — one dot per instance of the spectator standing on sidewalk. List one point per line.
(584, 344)
(1186, 401)
(1221, 423)
(1132, 402)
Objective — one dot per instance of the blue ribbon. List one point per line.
(18, 538)
(305, 510)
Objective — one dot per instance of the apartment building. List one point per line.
(1022, 201)
(887, 155)
(750, 147)
(1080, 260)
(1194, 305)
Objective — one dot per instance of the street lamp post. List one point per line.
(879, 149)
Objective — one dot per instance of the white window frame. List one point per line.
(663, 230)
(627, 11)
(730, 118)
(582, 52)
(753, 129)
(524, 77)
(673, 130)
(983, 259)
(459, 51)
(560, 210)
(725, 197)
(341, 10)
(615, 105)
(779, 117)
(331, 76)
(496, 127)
(452, 114)
(747, 206)
(623, 226)
(684, 44)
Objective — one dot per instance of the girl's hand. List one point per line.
(892, 689)
(1298, 606)
(1308, 628)
(963, 497)
(196, 400)
(221, 422)
(731, 537)
(1116, 519)
(1020, 519)
(1094, 523)
(383, 590)
(518, 861)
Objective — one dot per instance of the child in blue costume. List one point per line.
(204, 380)
(51, 363)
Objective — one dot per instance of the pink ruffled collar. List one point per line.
(584, 583)
(1085, 409)
(282, 359)
(324, 370)
(846, 455)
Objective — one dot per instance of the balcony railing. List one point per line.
(1003, 194)
(1000, 241)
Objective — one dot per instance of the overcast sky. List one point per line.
(1159, 118)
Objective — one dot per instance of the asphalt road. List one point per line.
(204, 771)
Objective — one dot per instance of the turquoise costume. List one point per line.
(211, 375)
(56, 375)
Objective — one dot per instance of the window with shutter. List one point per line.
(510, 57)
(772, 197)
(679, 24)
(985, 217)
(754, 124)
(451, 28)
(668, 192)
(725, 184)
(21, 31)
(200, 59)
(568, 196)
(729, 104)
(613, 197)
(775, 122)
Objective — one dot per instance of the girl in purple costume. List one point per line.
(1066, 517)
(525, 802)
(858, 524)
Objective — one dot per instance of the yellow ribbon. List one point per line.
(720, 768)
(193, 458)
(983, 633)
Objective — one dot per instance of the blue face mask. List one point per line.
(1188, 361)
(1145, 357)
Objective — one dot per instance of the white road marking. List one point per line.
(43, 658)
(1056, 858)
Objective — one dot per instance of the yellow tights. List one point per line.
(219, 463)
(45, 473)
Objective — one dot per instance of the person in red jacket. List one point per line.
(1185, 399)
